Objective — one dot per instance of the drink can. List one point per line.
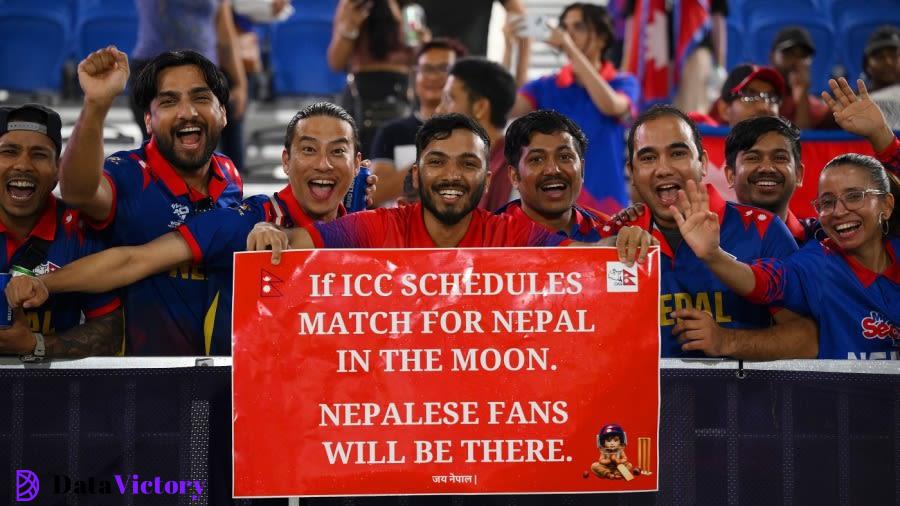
(413, 23)
(355, 199)
(6, 314)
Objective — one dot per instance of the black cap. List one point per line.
(740, 76)
(32, 118)
(886, 36)
(793, 36)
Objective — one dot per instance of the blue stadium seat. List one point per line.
(856, 22)
(320, 10)
(35, 46)
(299, 61)
(751, 8)
(101, 25)
(735, 45)
(766, 23)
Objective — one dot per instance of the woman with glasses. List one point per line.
(849, 282)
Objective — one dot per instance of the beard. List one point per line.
(166, 145)
(451, 216)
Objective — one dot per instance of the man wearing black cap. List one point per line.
(792, 53)
(881, 63)
(41, 234)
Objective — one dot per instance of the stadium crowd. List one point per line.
(135, 256)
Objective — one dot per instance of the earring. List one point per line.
(885, 225)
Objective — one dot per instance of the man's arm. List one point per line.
(265, 236)
(792, 336)
(101, 272)
(515, 15)
(102, 75)
(230, 58)
(96, 337)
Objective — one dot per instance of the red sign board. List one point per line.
(445, 371)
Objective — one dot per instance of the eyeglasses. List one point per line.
(852, 200)
(749, 98)
(433, 69)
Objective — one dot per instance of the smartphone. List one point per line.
(536, 27)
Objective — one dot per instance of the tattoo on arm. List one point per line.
(97, 336)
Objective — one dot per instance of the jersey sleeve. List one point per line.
(356, 230)
(532, 92)
(790, 282)
(627, 86)
(890, 157)
(214, 236)
(124, 180)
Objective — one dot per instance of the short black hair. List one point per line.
(320, 109)
(545, 121)
(745, 134)
(145, 87)
(596, 17)
(482, 78)
(446, 43)
(659, 111)
(441, 126)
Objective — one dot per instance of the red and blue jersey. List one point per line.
(63, 229)
(215, 236)
(586, 228)
(747, 233)
(858, 311)
(604, 162)
(165, 313)
(404, 227)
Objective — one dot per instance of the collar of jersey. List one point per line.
(45, 228)
(566, 75)
(163, 170)
(862, 273)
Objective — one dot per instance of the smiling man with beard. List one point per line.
(698, 313)
(545, 161)
(41, 234)
(140, 195)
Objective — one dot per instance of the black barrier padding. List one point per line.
(774, 437)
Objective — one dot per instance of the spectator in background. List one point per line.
(545, 159)
(747, 92)
(41, 234)
(207, 27)
(881, 64)
(466, 20)
(792, 54)
(516, 47)
(368, 41)
(484, 91)
(394, 147)
(591, 92)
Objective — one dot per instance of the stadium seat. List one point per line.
(751, 8)
(766, 23)
(35, 46)
(856, 22)
(98, 26)
(299, 63)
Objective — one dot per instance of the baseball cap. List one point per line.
(740, 76)
(33, 118)
(886, 36)
(793, 36)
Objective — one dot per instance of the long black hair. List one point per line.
(382, 29)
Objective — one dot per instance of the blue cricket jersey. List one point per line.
(858, 311)
(587, 227)
(746, 232)
(164, 313)
(69, 241)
